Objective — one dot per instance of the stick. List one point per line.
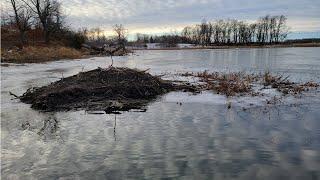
(13, 94)
(143, 71)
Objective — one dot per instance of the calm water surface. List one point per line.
(199, 139)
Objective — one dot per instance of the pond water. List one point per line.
(179, 136)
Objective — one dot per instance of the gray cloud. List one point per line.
(143, 14)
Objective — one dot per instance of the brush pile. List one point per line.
(112, 89)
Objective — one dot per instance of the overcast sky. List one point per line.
(165, 16)
(156, 16)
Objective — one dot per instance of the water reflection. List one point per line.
(50, 126)
(114, 128)
(172, 140)
(47, 129)
(193, 140)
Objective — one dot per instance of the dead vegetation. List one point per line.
(35, 54)
(240, 83)
(122, 89)
(285, 86)
(119, 51)
(229, 84)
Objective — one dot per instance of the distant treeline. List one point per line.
(30, 20)
(266, 30)
(306, 40)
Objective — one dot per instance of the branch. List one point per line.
(30, 6)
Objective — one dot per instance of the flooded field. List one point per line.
(180, 135)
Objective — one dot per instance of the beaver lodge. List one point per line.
(121, 89)
(109, 89)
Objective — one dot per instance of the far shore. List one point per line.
(45, 54)
(42, 54)
(235, 46)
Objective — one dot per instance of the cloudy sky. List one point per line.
(156, 16)
(165, 16)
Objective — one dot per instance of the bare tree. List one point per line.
(272, 28)
(142, 38)
(187, 33)
(121, 34)
(267, 29)
(22, 17)
(281, 31)
(48, 12)
(234, 27)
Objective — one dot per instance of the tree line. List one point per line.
(98, 36)
(170, 40)
(266, 30)
(45, 16)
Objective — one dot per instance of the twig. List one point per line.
(13, 94)
(111, 61)
(143, 71)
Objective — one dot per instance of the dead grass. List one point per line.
(285, 86)
(35, 54)
(240, 83)
(229, 84)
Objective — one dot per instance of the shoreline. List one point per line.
(236, 46)
(36, 54)
(82, 55)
